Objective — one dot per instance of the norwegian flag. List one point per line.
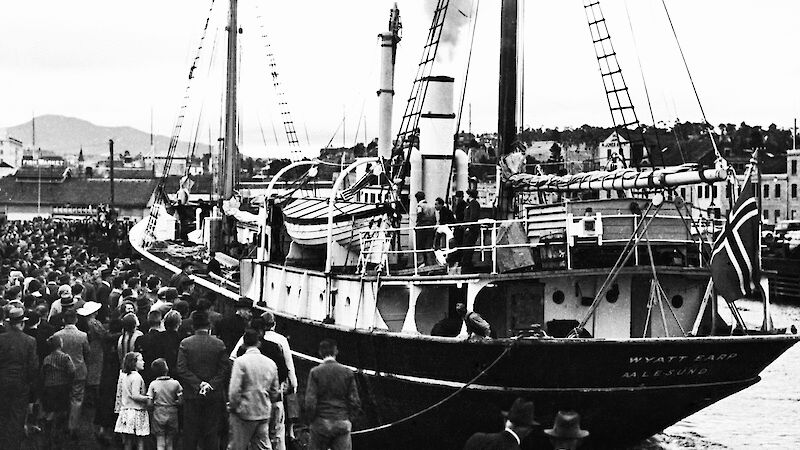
(734, 264)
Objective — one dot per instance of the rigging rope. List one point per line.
(160, 197)
(644, 84)
(685, 64)
(440, 402)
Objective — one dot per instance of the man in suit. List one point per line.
(202, 368)
(148, 344)
(443, 214)
(472, 213)
(519, 423)
(253, 388)
(76, 345)
(104, 286)
(232, 327)
(331, 401)
(426, 218)
(18, 369)
(103, 292)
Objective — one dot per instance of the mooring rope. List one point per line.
(437, 404)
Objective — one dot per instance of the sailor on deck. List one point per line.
(477, 327)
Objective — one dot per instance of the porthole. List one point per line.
(613, 294)
(558, 297)
(677, 301)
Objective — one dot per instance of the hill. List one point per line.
(65, 136)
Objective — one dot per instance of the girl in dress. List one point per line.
(133, 421)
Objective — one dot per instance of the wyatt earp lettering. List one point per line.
(681, 365)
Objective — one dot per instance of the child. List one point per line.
(58, 370)
(133, 422)
(165, 395)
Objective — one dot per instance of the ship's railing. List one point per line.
(379, 244)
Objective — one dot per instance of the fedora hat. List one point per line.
(567, 426)
(65, 291)
(16, 315)
(521, 413)
(243, 302)
(89, 308)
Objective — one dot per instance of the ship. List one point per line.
(597, 285)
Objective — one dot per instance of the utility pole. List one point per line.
(111, 170)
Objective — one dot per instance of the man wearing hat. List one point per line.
(566, 433)
(76, 345)
(519, 423)
(202, 366)
(231, 328)
(66, 302)
(96, 334)
(472, 213)
(18, 369)
(104, 286)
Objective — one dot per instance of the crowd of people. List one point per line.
(93, 347)
(149, 362)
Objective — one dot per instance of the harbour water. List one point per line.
(764, 416)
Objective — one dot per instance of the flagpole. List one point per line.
(766, 324)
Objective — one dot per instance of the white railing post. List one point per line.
(494, 247)
(414, 251)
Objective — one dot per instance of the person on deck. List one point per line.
(477, 327)
(426, 219)
(472, 213)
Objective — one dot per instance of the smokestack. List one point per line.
(389, 42)
(436, 130)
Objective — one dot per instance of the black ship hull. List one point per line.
(626, 390)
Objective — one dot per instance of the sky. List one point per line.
(112, 63)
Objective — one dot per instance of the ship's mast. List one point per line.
(507, 100)
(230, 154)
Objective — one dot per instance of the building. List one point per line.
(613, 145)
(10, 150)
(780, 199)
(21, 199)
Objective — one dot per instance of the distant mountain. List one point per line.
(65, 136)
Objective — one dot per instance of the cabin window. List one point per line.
(794, 190)
(777, 191)
(677, 301)
(713, 192)
(699, 191)
(321, 297)
(777, 215)
(707, 191)
(727, 190)
(794, 167)
(766, 191)
(347, 301)
(558, 297)
(683, 193)
(766, 214)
